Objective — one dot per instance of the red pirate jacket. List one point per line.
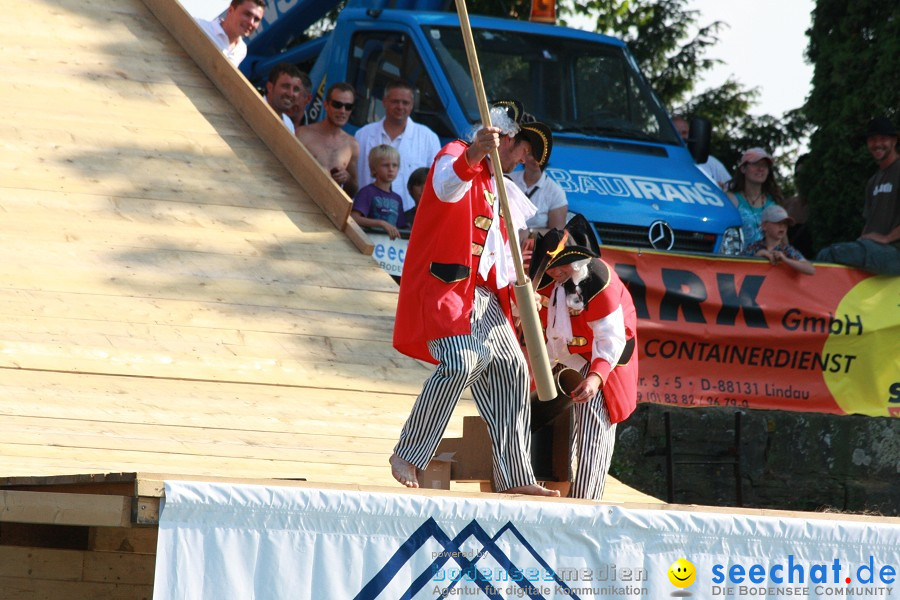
(603, 292)
(440, 270)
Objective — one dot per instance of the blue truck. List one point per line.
(616, 153)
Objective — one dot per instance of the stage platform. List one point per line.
(179, 293)
(181, 299)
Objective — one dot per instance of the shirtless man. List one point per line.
(335, 149)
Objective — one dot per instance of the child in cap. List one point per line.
(376, 205)
(774, 244)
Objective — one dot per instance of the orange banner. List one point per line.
(717, 331)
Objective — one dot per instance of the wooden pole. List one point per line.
(531, 325)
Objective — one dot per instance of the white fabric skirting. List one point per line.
(225, 541)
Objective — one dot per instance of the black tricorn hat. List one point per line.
(538, 134)
(513, 108)
(541, 140)
(554, 249)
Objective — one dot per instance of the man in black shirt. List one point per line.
(878, 248)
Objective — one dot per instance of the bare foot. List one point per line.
(532, 490)
(404, 471)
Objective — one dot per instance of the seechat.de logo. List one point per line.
(682, 573)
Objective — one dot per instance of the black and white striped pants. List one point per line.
(491, 362)
(595, 438)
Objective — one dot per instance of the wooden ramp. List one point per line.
(178, 290)
(171, 298)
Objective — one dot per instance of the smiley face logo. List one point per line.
(682, 573)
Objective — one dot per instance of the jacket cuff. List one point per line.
(463, 170)
(601, 368)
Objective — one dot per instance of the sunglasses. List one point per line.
(340, 105)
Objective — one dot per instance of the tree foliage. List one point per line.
(658, 33)
(855, 48)
(671, 48)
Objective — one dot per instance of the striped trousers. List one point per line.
(490, 361)
(595, 438)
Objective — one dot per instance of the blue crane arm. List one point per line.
(284, 20)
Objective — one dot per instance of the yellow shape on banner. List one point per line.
(872, 384)
(682, 573)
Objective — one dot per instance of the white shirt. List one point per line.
(545, 194)
(448, 187)
(417, 146)
(715, 170)
(609, 333)
(214, 31)
(288, 123)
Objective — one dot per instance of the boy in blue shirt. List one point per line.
(376, 205)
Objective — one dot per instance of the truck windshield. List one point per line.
(572, 85)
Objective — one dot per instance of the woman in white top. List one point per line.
(544, 193)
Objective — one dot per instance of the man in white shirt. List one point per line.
(713, 167)
(282, 90)
(416, 143)
(241, 19)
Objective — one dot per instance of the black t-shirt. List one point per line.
(882, 207)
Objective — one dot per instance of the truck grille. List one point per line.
(637, 237)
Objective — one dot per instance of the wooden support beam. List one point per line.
(359, 238)
(146, 511)
(65, 509)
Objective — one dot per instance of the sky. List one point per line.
(762, 46)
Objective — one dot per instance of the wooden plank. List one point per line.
(317, 182)
(30, 460)
(117, 217)
(117, 484)
(198, 403)
(205, 147)
(152, 181)
(51, 307)
(302, 416)
(140, 162)
(40, 563)
(359, 451)
(169, 264)
(64, 509)
(141, 540)
(341, 377)
(157, 155)
(119, 567)
(159, 132)
(234, 297)
(267, 359)
(31, 588)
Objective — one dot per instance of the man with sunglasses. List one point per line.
(335, 149)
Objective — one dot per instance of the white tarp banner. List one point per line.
(389, 254)
(223, 541)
